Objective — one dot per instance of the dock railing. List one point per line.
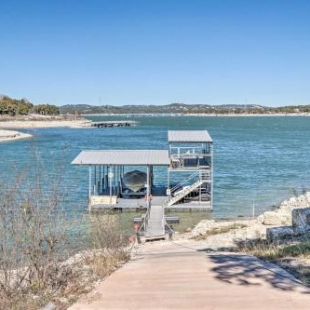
(186, 186)
(145, 220)
(195, 175)
(197, 160)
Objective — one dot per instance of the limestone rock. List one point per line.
(202, 227)
(278, 217)
(301, 220)
(260, 219)
(301, 201)
(277, 233)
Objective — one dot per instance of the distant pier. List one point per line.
(113, 124)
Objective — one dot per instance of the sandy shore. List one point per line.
(10, 135)
(45, 124)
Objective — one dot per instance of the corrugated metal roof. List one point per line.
(189, 136)
(123, 157)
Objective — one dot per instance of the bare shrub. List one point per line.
(35, 241)
(109, 245)
(32, 234)
(106, 233)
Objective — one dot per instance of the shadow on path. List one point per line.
(248, 270)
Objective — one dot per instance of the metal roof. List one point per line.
(189, 136)
(123, 157)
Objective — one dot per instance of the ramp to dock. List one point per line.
(155, 227)
(176, 276)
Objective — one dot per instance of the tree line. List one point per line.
(13, 107)
(178, 108)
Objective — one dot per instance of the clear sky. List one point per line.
(156, 51)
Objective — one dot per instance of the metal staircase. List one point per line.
(182, 192)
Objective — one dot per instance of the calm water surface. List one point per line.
(258, 161)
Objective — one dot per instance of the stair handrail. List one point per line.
(204, 175)
(189, 189)
(201, 177)
(163, 219)
(146, 219)
(183, 193)
(179, 185)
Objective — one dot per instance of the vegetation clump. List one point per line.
(14, 107)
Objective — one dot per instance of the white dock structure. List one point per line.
(188, 163)
(191, 156)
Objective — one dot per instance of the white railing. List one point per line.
(184, 192)
(199, 178)
(185, 182)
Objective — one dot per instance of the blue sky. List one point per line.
(156, 51)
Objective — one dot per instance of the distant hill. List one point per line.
(14, 107)
(181, 108)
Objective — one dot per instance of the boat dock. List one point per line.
(103, 124)
(130, 179)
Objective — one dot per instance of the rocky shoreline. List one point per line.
(224, 235)
(209, 235)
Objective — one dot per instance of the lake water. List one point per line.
(258, 161)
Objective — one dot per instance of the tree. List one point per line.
(46, 109)
(9, 106)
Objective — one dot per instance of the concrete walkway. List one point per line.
(184, 275)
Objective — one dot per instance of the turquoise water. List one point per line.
(258, 161)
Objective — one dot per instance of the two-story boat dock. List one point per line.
(126, 179)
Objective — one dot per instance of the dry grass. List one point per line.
(294, 256)
(67, 281)
(103, 263)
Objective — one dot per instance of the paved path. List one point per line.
(186, 276)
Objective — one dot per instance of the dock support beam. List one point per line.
(211, 171)
(89, 184)
(148, 193)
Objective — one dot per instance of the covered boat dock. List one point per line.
(107, 169)
(125, 179)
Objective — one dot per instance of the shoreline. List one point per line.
(224, 233)
(42, 122)
(219, 237)
(27, 124)
(12, 135)
(202, 115)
